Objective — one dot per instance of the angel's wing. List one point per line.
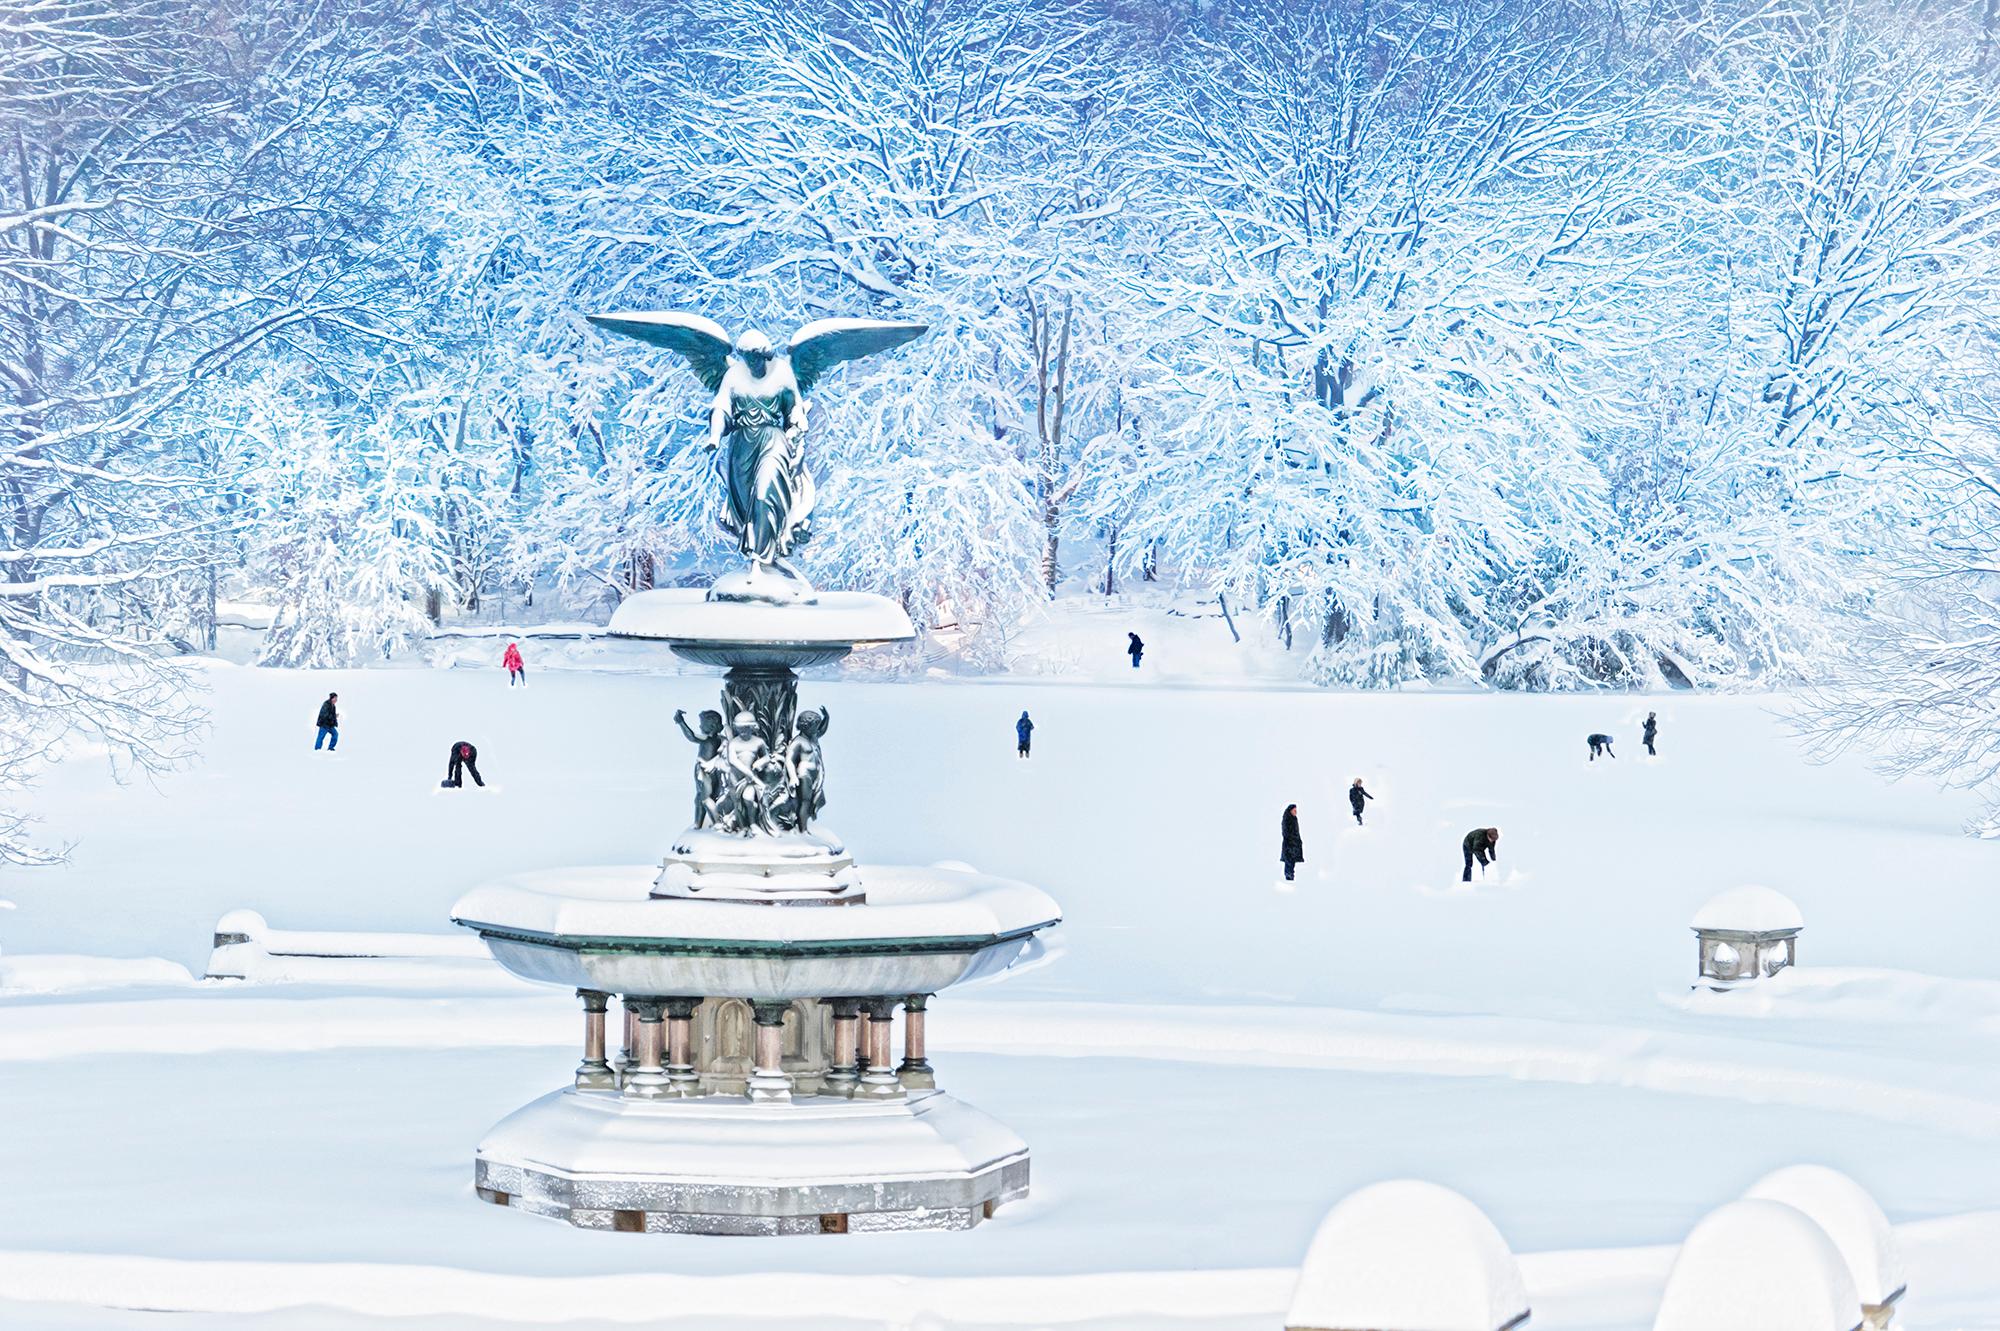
(825, 343)
(704, 342)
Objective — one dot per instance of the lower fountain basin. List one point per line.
(601, 1160)
(920, 931)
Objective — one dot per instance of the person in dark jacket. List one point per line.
(1482, 844)
(329, 724)
(1134, 649)
(464, 761)
(1357, 796)
(1600, 744)
(1024, 731)
(1651, 733)
(1291, 847)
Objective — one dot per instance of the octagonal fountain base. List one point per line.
(721, 1165)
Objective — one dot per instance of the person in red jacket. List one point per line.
(517, 671)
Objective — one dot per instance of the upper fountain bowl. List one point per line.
(726, 632)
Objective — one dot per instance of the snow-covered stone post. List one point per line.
(681, 1078)
(769, 1083)
(1408, 1256)
(1850, 1217)
(647, 1081)
(594, 1073)
(879, 1082)
(1744, 935)
(841, 1078)
(915, 1071)
(1758, 1266)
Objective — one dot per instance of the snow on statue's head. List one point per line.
(754, 347)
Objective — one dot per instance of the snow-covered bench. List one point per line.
(248, 948)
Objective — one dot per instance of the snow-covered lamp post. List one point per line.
(1407, 1255)
(759, 968)
(1745, 934)
(1850, 1217)
(1758, 1266)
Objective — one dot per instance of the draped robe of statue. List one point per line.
(768, 490)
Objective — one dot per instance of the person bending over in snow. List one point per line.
(1024, 732)
(464, 761)
(1291, 848)
(1357, 795)
(1600, 744)
(1134, 649)
(1482, 844)
(1651, 733)
(329, 724)
(517, 670)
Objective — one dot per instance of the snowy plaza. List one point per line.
(1204, 1064)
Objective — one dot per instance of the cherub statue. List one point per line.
(807, 766)
(710, 770)
(760, 412)
(748, 758)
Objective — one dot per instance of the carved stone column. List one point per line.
(841, 1078)
(769, 1083)
(879, 1082)
(647, 1080)
(681, 1078)
(594, 1073)
(915, 1071)
(628, 1052)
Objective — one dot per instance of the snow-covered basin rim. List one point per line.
(685, 614)
(909, 908)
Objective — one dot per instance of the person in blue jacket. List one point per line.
(1024, 731)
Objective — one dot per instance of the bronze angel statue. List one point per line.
(758, 420)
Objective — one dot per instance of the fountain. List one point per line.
(758, 968)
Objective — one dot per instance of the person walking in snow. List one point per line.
(1481, 844)
(1357, 796)
(1024, 732)
(1134, 648)
(1652, 732)
(464, 761)
(1291, 847)
(1600, 744)
(329, 724)
(517, 670)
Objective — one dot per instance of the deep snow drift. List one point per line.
(1203, 1063)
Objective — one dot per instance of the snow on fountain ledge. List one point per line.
(685, 614)
(1750, 909)
(904, 901)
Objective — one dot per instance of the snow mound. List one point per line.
(1407, 1255)
(64, 973)
(1750, 909)
(1850, 1217)
(1758, 1266)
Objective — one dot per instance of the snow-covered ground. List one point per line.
(1203, 1064)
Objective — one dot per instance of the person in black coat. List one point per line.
(1024, 733)
(1357, 796)
(1482, 844)
(329, 724)
(1651, 733)
(464, 761)
(1291, 847)
(1134, 648)
(1600, 744)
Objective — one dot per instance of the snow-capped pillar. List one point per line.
(915, 1072)
(841, 1077)
(879, 1082)
(769, 1083)
(594, 1073)
(681, 1078)
(648, 1080)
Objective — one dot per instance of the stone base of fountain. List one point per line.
(791, 869)
(718, 1165)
